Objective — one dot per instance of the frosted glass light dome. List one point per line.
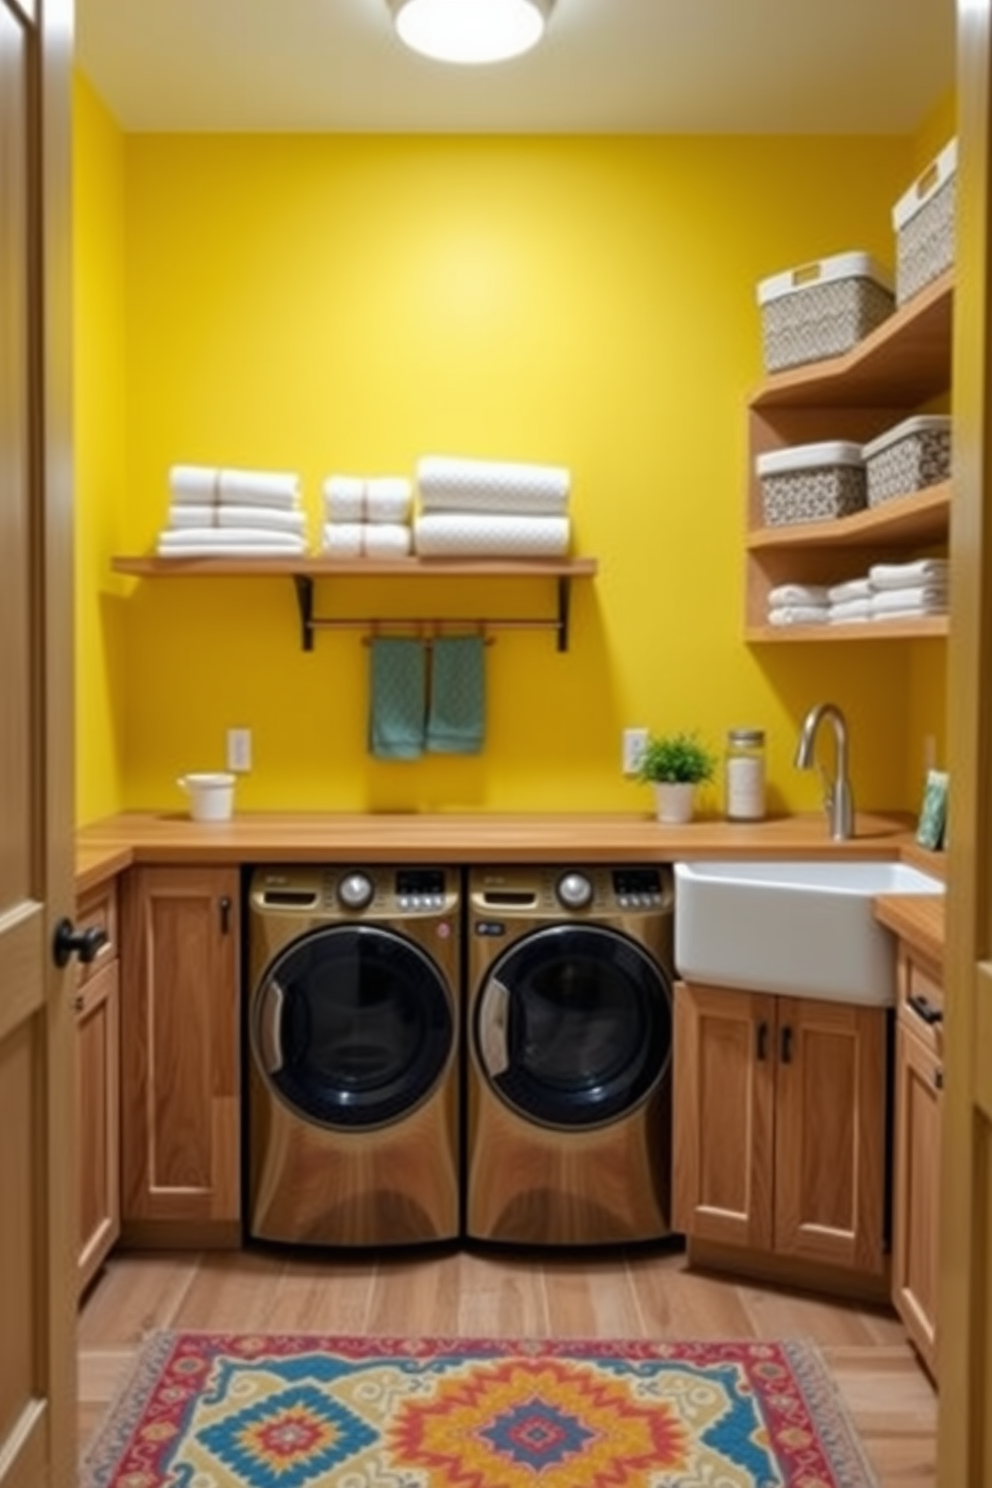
(470, 31)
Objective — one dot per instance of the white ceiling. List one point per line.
(605, 66)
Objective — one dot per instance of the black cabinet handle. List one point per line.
(925, 1009)
(225, 915)
(761, 1043)
(786, 1045)
(68, 941)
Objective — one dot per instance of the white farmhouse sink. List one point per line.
(799, 929)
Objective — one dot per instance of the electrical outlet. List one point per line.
(239, 749)
(634, 742)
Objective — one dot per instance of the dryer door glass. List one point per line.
(574, 1025)
(353, 1026)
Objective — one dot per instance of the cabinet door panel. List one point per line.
(830, 1133)
(723, 1087)
(916, 1219)
(179, 1023)
(98, 1118)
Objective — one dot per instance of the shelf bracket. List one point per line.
(304, 599)
(564, 597)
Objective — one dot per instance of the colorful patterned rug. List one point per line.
(209, 1410)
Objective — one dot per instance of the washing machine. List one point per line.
(569, 1075)
(353, 1037)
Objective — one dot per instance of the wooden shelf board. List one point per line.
(902, 362)
(920, 517)
(870, 630)
(365, 568)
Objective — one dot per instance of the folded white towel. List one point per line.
(927, 598)
(904, 575)
(919, 612)
(197, 483)
(847, 610)
(344, 498)
(224, 550)
(388, 498)
(797, 594)
(478, 535)
(799, 615)
(217, 537)
(850, 589)
(191, 514)
(445, 483)
(258, 487)
(367, 539)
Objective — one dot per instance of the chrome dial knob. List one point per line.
(355, 891)
(574, 890)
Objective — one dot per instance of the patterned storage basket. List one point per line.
(812, 482)
(910, 457)
(822, 309)
(924, 222)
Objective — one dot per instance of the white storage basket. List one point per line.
(822, 309)
(812, 482)
(923, 219)
(909, 457)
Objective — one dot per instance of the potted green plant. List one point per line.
(675, 764)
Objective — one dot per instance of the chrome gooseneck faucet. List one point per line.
(838, 798)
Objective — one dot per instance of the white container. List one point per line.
(211, 795)
(822, 309)
(745, 774)
(909, 457)
(812, 482)
(923, 219)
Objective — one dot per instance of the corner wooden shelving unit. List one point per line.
(305, 572)
(903, 364)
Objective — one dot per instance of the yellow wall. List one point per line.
(98, 337)
(351, 303)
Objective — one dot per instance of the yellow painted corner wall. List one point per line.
(351, 303)
(98, 415)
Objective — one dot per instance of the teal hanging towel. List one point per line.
(397, 698)
(457, 720)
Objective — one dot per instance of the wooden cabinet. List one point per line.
(180, 1099)
(901, 367)
(98, 1087)
(918, 1101)
(780, 1126)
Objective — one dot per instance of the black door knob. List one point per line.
(68, 941)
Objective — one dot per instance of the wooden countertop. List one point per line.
(148, 837)
(916, 918)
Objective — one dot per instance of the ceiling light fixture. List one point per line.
(471, 31)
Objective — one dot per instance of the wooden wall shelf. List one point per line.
(305, 572)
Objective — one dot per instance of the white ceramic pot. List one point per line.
(211, 795)
(674, 801)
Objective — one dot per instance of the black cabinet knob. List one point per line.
(68, 941)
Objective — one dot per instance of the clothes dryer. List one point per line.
(353, 1034)
(569, 1025)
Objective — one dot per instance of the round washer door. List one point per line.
(574, 1026)
(352, 1026)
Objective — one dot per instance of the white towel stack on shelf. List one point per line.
(232, 513)
(798, 604)
(491, 509)
(367, 516)
(903, 591)
(850, 601)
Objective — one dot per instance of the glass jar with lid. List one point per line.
(745, 774)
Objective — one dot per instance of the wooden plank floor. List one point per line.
(627, 1295)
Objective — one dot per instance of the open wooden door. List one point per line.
(37, 1305)
(965, 1297)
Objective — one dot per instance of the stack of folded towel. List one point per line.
(491, 509)
(903, 591)
(850, 601)
(367, 517)
(232, 513)
(798, 604)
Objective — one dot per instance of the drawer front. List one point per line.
(99, 908)
(921, 1000)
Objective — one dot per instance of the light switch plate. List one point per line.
(239, 750)
(634, 742)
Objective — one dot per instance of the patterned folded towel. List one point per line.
(850, 589)
(924, 598)
(799, 615)
(797, 594)
(906, 575)
(850, 609)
